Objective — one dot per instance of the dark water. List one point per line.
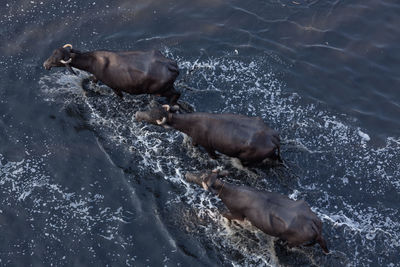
(83, 184)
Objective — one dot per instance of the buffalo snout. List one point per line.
(47, 65)
(194, 178)
(154, 116)
(141, 116)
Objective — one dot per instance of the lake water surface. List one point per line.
(83, 184)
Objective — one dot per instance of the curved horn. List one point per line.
(166, 107)
(161, 122)
(66, 62)
(205, 186)
(67, 45)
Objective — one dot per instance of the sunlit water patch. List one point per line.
(351, 184)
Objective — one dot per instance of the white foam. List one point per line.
(365, 137)
(27, 181)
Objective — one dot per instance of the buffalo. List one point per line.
(133, 72)
(274, 214)
(247, 138)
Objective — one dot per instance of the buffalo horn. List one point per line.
(66, 62)
(161, 122)
(67, 45)
(205, 186)
(166, 107)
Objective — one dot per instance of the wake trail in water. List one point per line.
(350, 184)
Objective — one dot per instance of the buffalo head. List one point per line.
(155, 115)
(205, 179)
(61, 57)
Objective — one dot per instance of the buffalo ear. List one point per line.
(212, 179)
(208, 181)
(154, 104)
(223, 173)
